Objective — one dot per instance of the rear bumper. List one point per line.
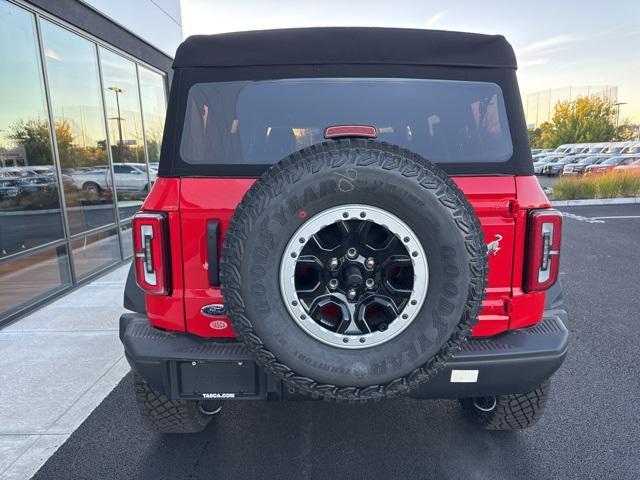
(185, 366)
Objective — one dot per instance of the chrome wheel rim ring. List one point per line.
(342, 213)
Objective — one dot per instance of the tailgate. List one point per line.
(214, 199)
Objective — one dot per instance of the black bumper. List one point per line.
(186, 366)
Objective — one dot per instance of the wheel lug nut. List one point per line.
(370, 263)
(352, 294)
(333, 263)
(369, 283)
(352, 253)
(333, 284)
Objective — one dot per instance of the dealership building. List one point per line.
(83, 91)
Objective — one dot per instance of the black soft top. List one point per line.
(343, 52)
(346, 45)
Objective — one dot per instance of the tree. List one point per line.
(627, 131)
(34, 136)
(72, 155)
(534, 137)
(154, 140)
(539, 136)
(583, 120)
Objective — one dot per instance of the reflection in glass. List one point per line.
(125, 131)
(31, 278)
(95, 252)
(29, 200)
(126, 237)
(154, 106)
(74, 84)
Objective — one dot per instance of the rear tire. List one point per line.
(507, 412)
(164, 415)
(91, 187)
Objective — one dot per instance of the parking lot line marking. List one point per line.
(619, 216)
(581, 218)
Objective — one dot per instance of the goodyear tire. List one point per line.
(507, 412)
(164, 415)
(370, 332)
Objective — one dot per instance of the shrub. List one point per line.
(618, 184)
(574, 188)
(609, 185)
(630, 184)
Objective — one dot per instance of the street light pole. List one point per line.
(117, 91)
(618, 114)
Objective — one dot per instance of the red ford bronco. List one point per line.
(345, 214)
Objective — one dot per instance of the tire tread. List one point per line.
(164, 415)
(336, 154)
(512, 412)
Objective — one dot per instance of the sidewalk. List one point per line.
(56, 365)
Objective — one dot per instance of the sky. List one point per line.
(558, 43)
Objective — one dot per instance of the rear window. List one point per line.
(260, 122)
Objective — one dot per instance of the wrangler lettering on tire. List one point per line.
(353, 293)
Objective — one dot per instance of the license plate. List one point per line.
(218, 380)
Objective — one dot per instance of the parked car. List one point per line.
(288, 258)
(38, 184)
(610, 163)
(41, 170)
(632, 149)
(564, 149)
(632, 167)
(16, 172)
(573, 169)
(580, 148)
(132, 177)
(541, 162)
(595, 148)
(540, 151)
(544, 153)
(616, 148)
(90, 179)
(553, 169)
(129, 177)
(9, 187)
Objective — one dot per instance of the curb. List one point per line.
(595, 201)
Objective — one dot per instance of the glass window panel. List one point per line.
(74, 84)
(125, 131)
(260, 122)
(95, 252)
(126, 237)
(154, 108)
(29, 199)
(31, 278)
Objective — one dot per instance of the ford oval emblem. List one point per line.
(214, 310)
(218, 324)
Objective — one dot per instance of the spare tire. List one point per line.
(353, 270)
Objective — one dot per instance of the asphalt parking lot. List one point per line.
(547, 182)
(591, 428)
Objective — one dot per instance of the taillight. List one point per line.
(150, 252)
(544, 232)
